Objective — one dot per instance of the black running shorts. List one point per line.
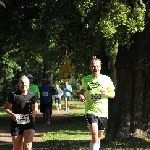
(18, 129)
(101, 121)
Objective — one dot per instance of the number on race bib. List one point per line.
(23, 119)
(96, 96)
(45, 93)
(57, 96)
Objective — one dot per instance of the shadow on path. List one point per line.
(57, 121)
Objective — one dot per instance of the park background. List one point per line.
(56, 39)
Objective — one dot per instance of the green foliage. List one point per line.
(122, 20)
(1, 3)
(118, 21)
(37, 35)
(9, 65)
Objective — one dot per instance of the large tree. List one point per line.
(37, 35)
(130, 114)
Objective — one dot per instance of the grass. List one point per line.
(72, 134)
(72, 128)
(2, 112)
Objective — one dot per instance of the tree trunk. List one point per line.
(47, 73)
(130, 112)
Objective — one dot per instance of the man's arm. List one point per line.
(53, 90)
(62, 92)
(110, 94)
(34, 109)
(70, 89)
(38, 93)
(82, 95)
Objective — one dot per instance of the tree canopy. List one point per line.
(36, 36)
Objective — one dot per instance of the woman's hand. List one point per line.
(33, 113)
(15, 117)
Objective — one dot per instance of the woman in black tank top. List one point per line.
(22, 107)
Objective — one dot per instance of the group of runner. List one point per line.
(22, 105)
(45, 94)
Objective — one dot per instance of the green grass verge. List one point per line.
(73, 134)
(2, 112)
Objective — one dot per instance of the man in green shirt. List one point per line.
(95, 90)
(33, 88)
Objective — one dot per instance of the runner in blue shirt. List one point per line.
(58, 94)
(67, 95)
(46, 93)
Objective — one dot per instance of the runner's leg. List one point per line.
(28, 139)
(57, 107)
(17, 142)
(65, 101)
(92, 122)
(100, 134)
(68, 103)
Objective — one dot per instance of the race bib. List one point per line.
(57, 96)
(45, 93)
(23, 119)
(95, 96)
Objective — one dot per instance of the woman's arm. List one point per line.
(7, 107)
(34, 109)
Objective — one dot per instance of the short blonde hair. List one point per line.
(57, 85)
(23, 77)
(94, 59)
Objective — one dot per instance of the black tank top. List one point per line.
(22, 104)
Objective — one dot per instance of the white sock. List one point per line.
(99, 145)
(95, 147)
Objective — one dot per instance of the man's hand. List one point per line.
(104, 91)
(81, 98)
(81, 95)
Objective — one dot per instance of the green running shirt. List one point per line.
(35, 89)
(96, 103)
